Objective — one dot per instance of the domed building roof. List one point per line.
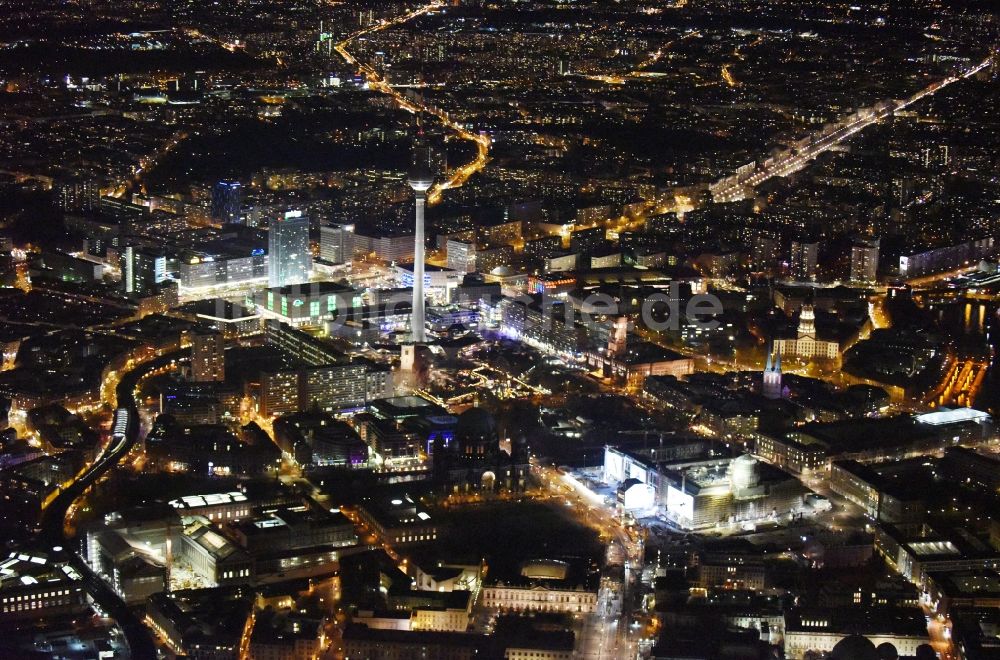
(476, 421)
(744, 472)
(476, 433)
(502, 271)
(854, 647)
(420, 176)
(887, 651)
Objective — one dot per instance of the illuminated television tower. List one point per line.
(420, 179)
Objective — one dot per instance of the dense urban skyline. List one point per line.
(524, 330)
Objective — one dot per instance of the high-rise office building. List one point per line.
(394, 247)
(288, 258)
(331, 387)
(227, 201)
(938, 155)
(208, 357)
(461, 256)
(142, 269)
(336, 243)
(803, 261)
(864, 260)
(223, 269)
(128, 214)
(763, 254)
(78, 194)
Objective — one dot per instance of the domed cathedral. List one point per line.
(856, 647)
(473, 460)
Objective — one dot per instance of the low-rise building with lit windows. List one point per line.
(806, 344)
(820, 629)
(917, 550)
(398, 520)
(212, 555)
(307, 304)
(130, 549)
(795, 452)
(975, 589)
(542, 323)
(217, 507)
(440, 283)
(210, 449)
(544, 585)
(207, 271)
(882, 497)
(319, 376)
(731, 570)
(362, 643)
(234, 321)
(35, 585)
(329, 388)
(279, 636)
(203, 623)
(294, 528)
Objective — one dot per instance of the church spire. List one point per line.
(772, 375)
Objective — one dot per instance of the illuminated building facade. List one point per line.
(336, 243)
(37, 585)
(440, 284)
(329, 388)
(142, 270)
(288, 256)
(227, 201)
(864, 260)
(399, 520)
(222, 270)
(208, 357)
(473, 460)
(506, 232)
(307, 304)
(703, 494)
(804, 258)
(543, 585)
(540, 323)
(461, 256)
(807, 344)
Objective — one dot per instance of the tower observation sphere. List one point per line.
(420, 176)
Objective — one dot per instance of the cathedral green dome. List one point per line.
(854, 647)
